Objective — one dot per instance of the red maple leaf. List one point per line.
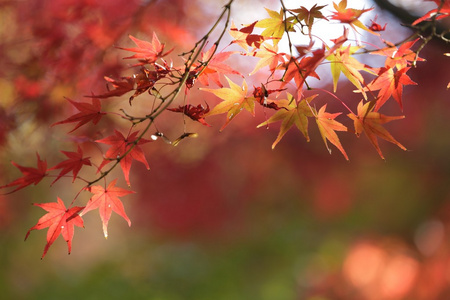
(107, 200)
(74, 164)
(139, 82)
(88, 112)
(443, 11)
(261, 94)
(120, 87)
(375, 26)
(196, 113)
(59, 220)
(300, 70)
(30, 175)
(145, 51)
(124, 149)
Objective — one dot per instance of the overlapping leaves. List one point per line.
(283, 93)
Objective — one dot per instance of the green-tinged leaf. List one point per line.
(343, 61)
(291, 113)
(275, 26)
(234, 101)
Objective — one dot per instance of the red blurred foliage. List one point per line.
(63, 48)
(191, 200)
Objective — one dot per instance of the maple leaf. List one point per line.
(375, 26)
(244, 37)
(146, 79)
(145, 51)
(120, 87)
(87, 112)
(293, 114)
(443, 11)
(370, 122)
(215, 66)
(308, 64)
(139, 82)
(59, 220)
(269, 56)
(74, 164)
(275, 26)
(125, 149)
(30, 175)
(328, 127)
(350, 15)
(300, 70)
(234, 101)
(107, 200)
(390, 84)
(342, 61)
(399, 57)
(308, 15)
(196, 113)
(261, 94)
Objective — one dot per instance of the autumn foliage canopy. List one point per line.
(162, 80)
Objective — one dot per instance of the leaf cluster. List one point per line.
(289, 96)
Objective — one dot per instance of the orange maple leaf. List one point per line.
(328, 127)
(59, 220)
(370, 122)
(400, 57)
(390, 84)
(107, 200)
(269, 56)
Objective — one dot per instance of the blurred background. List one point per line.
(222, 216)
